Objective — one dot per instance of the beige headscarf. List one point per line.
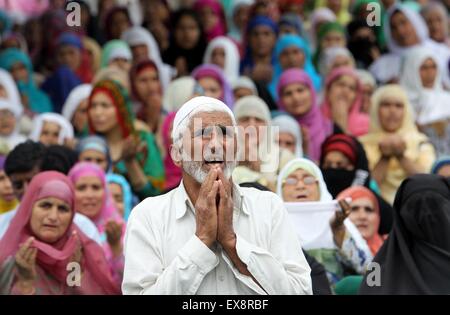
(418, 149)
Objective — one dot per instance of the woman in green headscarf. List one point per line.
(330, 34)
(134, 153)
(116, 52)
(21, 69)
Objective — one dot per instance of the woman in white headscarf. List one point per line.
(436, 17)
(421, 78)
(319, 17)
(10, 114)
(143, 45)
(405, 29)
(75, 108)
(289, 134)
(314, 214)
(335, 57)
(51, 128)
(222, 52)
(260, 158)
(9, 91)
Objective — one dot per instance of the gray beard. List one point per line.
(194, 169)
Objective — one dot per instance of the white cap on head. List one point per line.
(194, 106)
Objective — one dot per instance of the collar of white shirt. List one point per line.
(182, 197)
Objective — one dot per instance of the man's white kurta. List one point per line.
(164, 256)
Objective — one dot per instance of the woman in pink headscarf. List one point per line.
(365, 215)
(212, 17)
(297, 97)
(343, 101)
(211, 81)
(42, 248)
(93, 200)
(172, 171)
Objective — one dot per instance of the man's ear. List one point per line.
(175, 154)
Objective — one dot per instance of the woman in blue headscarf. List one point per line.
(292, 51)
(21, 69)
(261, 36)
(121, 192)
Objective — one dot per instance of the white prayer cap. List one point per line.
(194, 106)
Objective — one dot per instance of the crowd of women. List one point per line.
(354, 104)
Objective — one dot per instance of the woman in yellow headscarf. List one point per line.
(394, 146)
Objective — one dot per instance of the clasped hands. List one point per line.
(214, 211)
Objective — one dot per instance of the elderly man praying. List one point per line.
(210, 236)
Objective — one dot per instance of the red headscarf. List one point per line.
(358, 192)
(53, 258)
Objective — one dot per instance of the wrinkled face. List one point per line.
(391, 113)
(49, 133)
(300, 186)
(140, 52)
(147, 83)
(6, 189)
(19, 72)
(296, 98)
(364, 216)
(208, 17)
(69, 56)
(403, 31)
(343, 88)
(79, 119)
(292, 57)
(96, 157)
(209, 141)
(117, 194)
(428, 73)
(102, 113)
(187, 32)
(7, 122)
(50, 219)
(333, 39)
(262, 40)
(119, 24)
(436, 25)
(444, 171)
(287, 141)
(89, 196)
(20, 181)
(218, 57)
(241, 92)
(211, 87)
(337, 160)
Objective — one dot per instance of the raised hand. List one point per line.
(206, 209)
(26, 261)
(337, 222)
(225, 231)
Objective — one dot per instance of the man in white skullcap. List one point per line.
(208, 235)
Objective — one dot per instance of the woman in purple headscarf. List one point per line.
(212, 82)
(297, 97)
